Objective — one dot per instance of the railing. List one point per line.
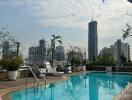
(35, 70)
(42, 76)
(33, 74)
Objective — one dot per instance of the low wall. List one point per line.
(3, 75)
(122, 69)
(100, 68)
(114, 69)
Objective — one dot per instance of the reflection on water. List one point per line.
(93, 86)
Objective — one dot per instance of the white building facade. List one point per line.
(117, 50)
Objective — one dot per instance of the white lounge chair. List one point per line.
(51, 70)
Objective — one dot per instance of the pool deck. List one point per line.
(126, 94)
(6, 87)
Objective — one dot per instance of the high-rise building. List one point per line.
(8, 51)
(126, 51)
(117, 50)
(92, 41)
(5, 52)
(118, 53)
(59, 53)
(121, 49)
(37, 54)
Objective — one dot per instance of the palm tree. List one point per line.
(53, 43)
(127, 32)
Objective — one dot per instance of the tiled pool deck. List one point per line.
(126, 93)
(7, 87)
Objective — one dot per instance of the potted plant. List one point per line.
(83, 67)
(78, 63)
(68, 69)
(73, 64)
(79, 59)
(71, 59)
(75, 58)
(11, 64)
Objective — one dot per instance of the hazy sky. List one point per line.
(31, 20)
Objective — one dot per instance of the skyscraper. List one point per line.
(92, 41)
(121, 49)
(6, 50)
(59, 53)
(118, 52)
(37, 54)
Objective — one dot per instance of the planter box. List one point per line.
(78, 69)
(108, 69)
(3, 75)
(83, 68)
(69, 69)
(73, 69)
(12, 75)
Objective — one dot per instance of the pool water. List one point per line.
(90, 86)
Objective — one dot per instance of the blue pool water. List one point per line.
(90, 86)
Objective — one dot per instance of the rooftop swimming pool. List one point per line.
(89, 86)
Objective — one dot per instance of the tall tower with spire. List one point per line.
(92, 41)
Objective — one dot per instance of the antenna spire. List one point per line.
(92, 15)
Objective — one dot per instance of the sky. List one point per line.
(31, 20)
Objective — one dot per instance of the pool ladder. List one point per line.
(35, 71)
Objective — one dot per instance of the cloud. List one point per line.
(112, 15)
(75, 13)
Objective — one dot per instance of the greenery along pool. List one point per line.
(90, 86)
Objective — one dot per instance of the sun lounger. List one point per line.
(51, 71)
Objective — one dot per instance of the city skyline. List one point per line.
(30, 21)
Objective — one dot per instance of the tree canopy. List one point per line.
(75, 57)
(127, 32)
(55, 38)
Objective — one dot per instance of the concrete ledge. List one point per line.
(126, 94)
(3, 75)
(4, 93)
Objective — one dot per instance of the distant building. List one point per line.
(117, 50)
(126, 51)
(59, 53)
(121, 49)
(8, 51)
(106, 51)
(37, 54)
(92, 41)
(84, 55)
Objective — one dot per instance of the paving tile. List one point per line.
(126, 97)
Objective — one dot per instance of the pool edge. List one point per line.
(4, 93)
(8, 91)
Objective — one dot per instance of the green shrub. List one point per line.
(11, 63)
(75, 57)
